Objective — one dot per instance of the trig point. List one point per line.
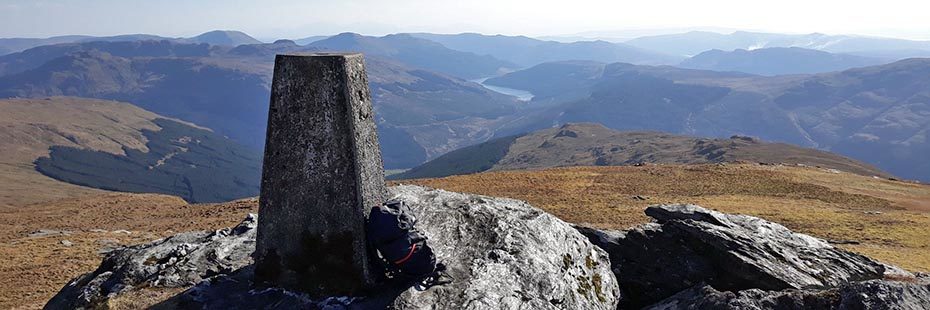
(322, 173)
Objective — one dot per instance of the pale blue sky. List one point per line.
(293, 19)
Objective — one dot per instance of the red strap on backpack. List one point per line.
(413, 248)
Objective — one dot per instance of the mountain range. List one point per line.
(426, 107)
(226, 89)
(692, 43)
(526, 52)
(216, 37)
(587, 144)
(777, 61)
(418, 52)
(876, 114)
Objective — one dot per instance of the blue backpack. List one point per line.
(403, 249)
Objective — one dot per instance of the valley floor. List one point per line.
(880, 218)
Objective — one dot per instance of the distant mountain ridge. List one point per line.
(227, 88)
(875, 114)
(695, 42)
(585, 144)
(216, 37)
(777, 61)
(527, 52)
(224, 37)
(418, 52)
(426, 108)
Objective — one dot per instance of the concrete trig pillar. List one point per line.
(322, 174)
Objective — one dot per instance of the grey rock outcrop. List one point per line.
(502, 254)
(873, 294)
(689, 245)
(506, 254)
(178, 261)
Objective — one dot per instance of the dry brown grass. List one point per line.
(837, 206)
(33, 269)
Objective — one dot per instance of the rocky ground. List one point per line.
(886, 218)
(506, 254)
(501, 252)
(42, 246)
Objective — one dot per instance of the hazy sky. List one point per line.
(294, 19)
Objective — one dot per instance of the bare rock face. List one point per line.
(690, 245)
(178, 261)
(874, 294)
(502, 254)
(506, 254)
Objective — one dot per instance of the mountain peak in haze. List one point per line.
(417, 52)
(695, 42)
(528, 52)
(225, 37)
(777, 61)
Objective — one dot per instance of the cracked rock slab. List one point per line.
(688, 245)
(178, 261)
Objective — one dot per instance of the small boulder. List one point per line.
(48, 233)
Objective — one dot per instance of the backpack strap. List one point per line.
(413, 248)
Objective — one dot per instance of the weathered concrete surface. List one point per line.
(322, 173)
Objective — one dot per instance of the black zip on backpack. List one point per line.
(403, 250)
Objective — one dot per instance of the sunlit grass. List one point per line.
(886, 218)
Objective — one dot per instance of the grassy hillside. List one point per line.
(195, 164)
(114, 146)
(595, 145)
(876, 217)
(29, 127)
(470, 159)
